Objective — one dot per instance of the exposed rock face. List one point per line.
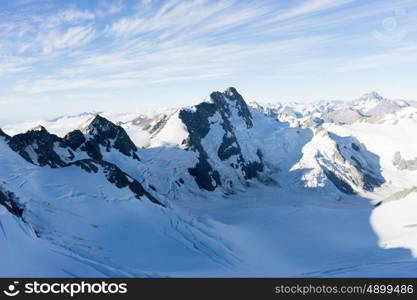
(75, 139)
(403, 164)
(342, 161)
(232, 112)
(37, 146)
(7, 200)
(339, 183)
(116, 176)
(198, 126)
(361, 165)
(151, 125)
(4, 135)
(243, 110)
(102, 132)
(42, 148)
(400, 194)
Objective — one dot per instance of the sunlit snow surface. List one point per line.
(292, 228)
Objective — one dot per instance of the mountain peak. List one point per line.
(231, 98)
(37, 147)
(96, 122)
(228, 116)
(39, 128)
(108, 134)
(371, 96)
(231, 92)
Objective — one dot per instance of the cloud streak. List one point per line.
(72, 37)
(112, 45)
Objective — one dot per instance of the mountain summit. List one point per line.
(372, 96)
(100, 131)
(218, 132)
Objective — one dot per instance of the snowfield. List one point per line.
(221, 189)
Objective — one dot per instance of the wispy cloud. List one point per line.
(67, 16)
(123, 45)
(107, 8)
(128, 67)
(72, 37)
(19, 100)
(10, 67)
(309, 7)
(395, 57)
(172, 15)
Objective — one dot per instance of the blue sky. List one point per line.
(63, 57)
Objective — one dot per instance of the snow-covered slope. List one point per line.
(24, 254)
(329, 159)
(99, 229)
(392, 139)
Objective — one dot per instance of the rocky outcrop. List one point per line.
(404, 164)
(116, 176)
(338, 182)
(233, 112)
(4, 135)
(42, 148)
(8, 200)
(74, 139)
(198, 125)
(360, 165)
(152, 125)
(330, 160)
(37, 146)
(101, 132)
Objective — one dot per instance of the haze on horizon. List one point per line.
(69, 56)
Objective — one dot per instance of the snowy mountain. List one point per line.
(218, 131)
(221, 188)
(340, 161)
(367, 108)
(84, 148)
